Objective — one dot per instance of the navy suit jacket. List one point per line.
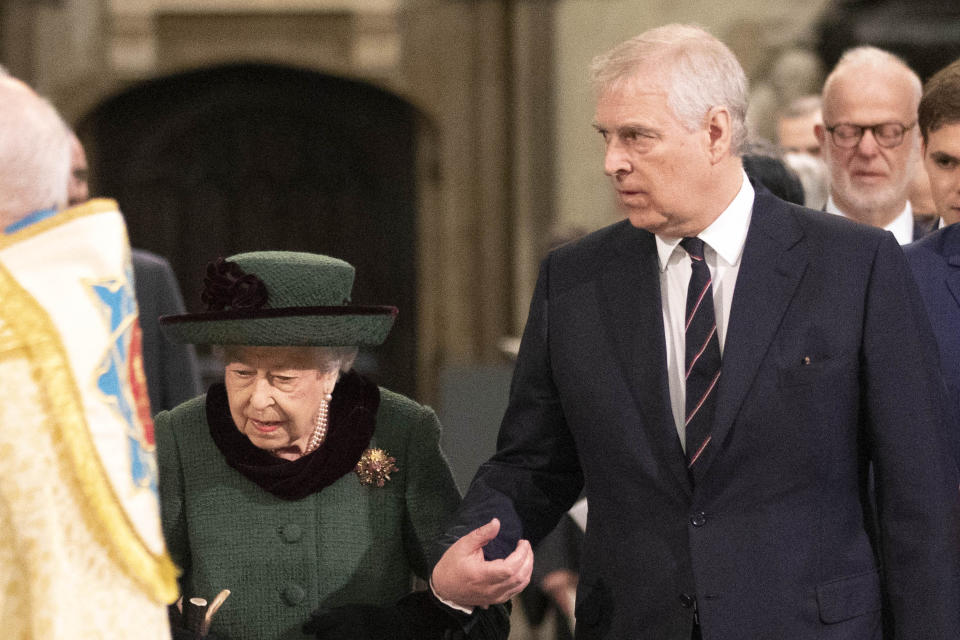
(828, 366)
(936, 265)
(173, 375)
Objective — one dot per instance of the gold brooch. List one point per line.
(375, 466)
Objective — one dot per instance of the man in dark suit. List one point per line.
(869, 140)
(718, 373)
(936, 259)
(173, 375)
(172, 372)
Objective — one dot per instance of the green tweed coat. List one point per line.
(349, 543)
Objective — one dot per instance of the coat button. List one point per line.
(291, 532)
(687, 600)
(293, 594)
(698, 519)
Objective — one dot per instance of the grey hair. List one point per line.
(702, 73)
(325, 359)
(874, 59)
(34, 153)
(803, 106)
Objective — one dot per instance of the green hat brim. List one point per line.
(299, 326)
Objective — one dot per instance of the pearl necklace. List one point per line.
(320, 426)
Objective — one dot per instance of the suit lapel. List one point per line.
(951, 251)
(629, 294)
(772, 265)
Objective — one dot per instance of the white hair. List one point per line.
(700, 73)
(874, 59)
(325, 359)
(34, 153)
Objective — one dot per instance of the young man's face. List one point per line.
(941, 157)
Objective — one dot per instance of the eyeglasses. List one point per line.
(887, 134)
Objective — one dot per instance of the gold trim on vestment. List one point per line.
(29, 327)
(88, 208)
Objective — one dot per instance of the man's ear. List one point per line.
(720, 133)
(821, 133)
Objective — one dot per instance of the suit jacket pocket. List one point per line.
(807, 354)
(846, 598)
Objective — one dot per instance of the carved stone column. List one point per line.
(482, 71)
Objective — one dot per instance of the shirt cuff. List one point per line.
(452, 605)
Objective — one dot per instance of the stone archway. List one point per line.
(256, 156)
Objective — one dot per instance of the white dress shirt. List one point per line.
(724, 240)
(901, 227)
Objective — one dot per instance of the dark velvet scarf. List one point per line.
(353, 412)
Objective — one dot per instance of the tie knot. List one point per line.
(694, 247)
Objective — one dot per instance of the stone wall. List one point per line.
(501, 83)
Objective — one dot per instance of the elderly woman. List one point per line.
(298, 484)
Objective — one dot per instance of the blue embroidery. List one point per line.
(119, 308)
(28, 220)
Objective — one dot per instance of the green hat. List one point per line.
(280, 298)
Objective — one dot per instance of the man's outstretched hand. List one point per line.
(464, 577)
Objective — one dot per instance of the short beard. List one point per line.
(877, 206)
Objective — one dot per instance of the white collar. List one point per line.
(726, 235)
(901, 226)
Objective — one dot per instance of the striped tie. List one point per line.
(702, 354)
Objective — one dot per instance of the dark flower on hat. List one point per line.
(227, 286)
(375, 467)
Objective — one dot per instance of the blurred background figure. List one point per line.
(870, 140)
(801, 148)
(173, 375)
(768, 170)
(81, 555)
(794, 72)
(795, 124)
(78, 188)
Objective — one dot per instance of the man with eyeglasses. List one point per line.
(870, 141)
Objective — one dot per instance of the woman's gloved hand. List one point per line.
(355, 622)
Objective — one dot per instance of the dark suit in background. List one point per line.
(923, 227)
(827, 367)
(172, 372)
(936, 265)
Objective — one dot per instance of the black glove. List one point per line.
(417, 616)
(355, 622)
